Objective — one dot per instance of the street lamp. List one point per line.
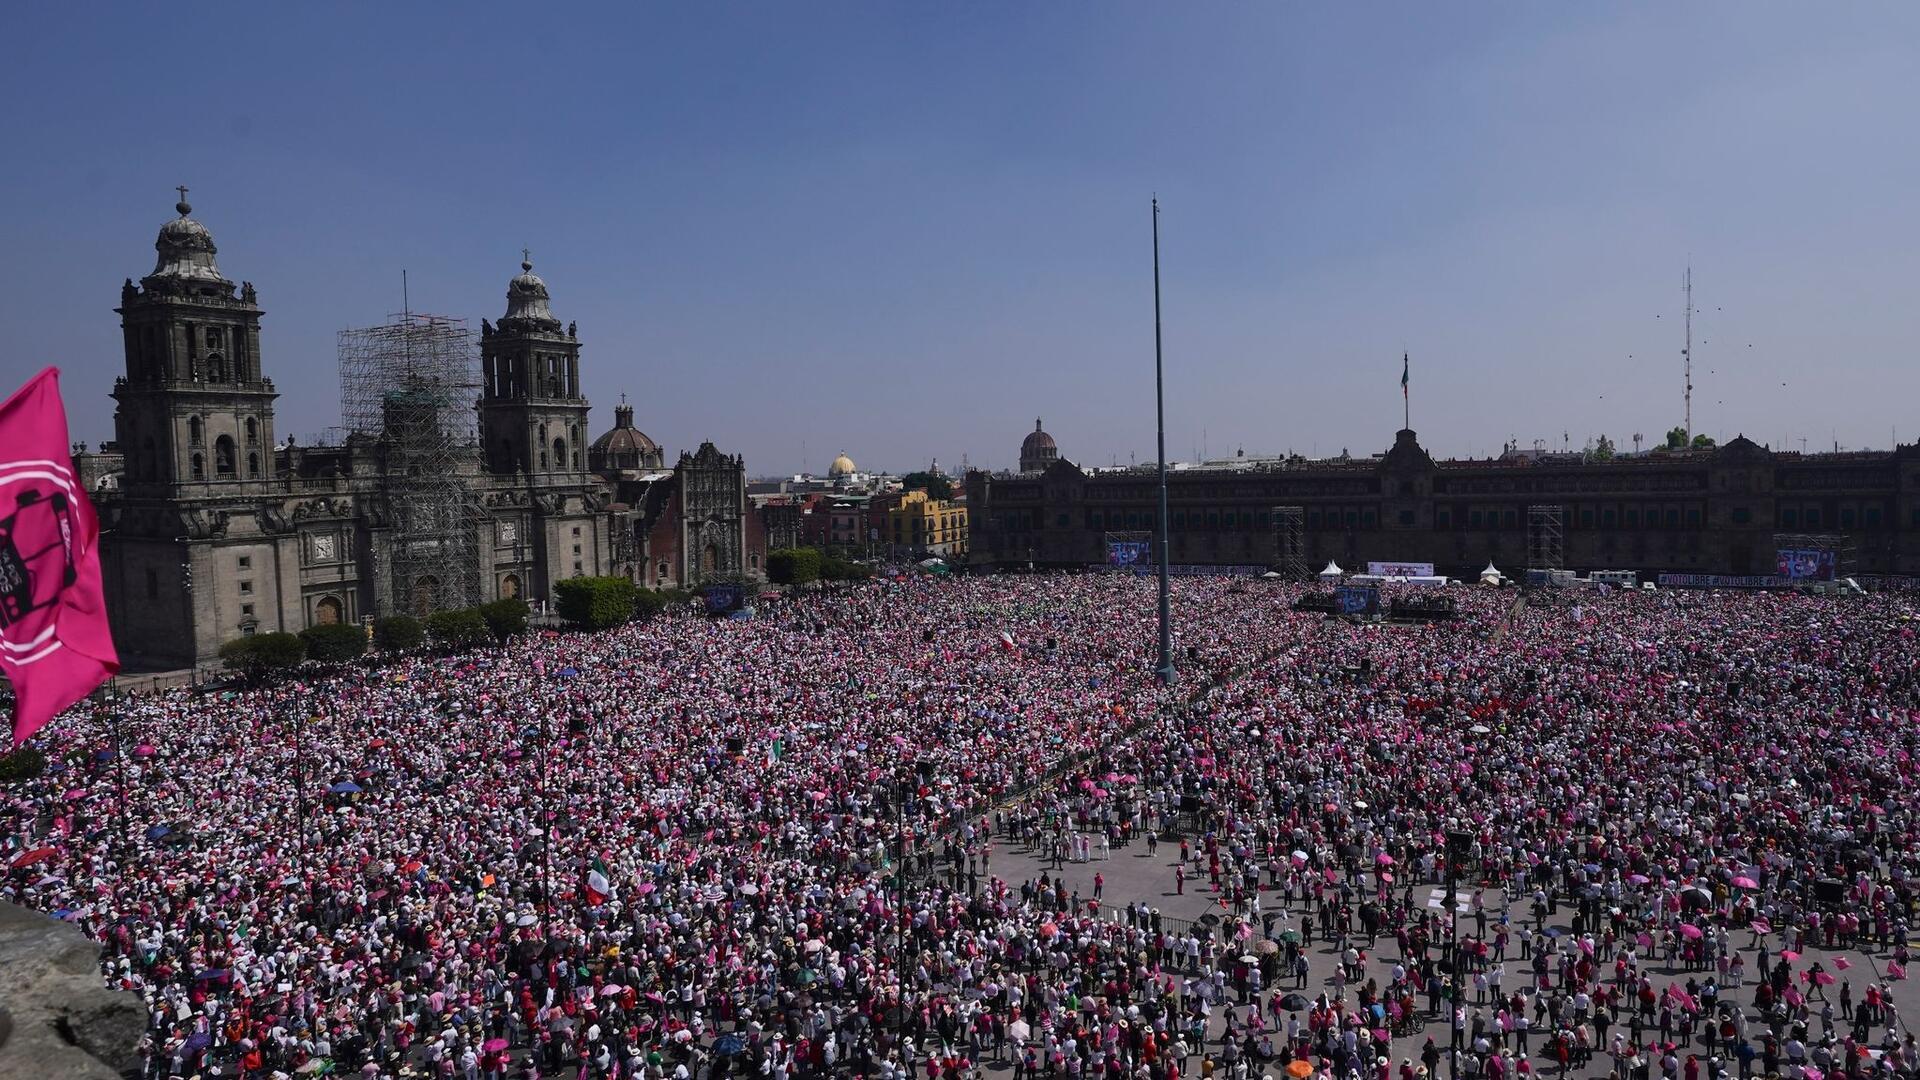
(1459, 847)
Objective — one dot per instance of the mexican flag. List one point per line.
(599, 889)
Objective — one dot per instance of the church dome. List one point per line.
(185, 248)
(527, 300)
(1037, 450)
(842, 466)
(625, 447)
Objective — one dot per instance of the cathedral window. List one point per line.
(195, 432)
(253, 463)
(223, 456)
(253, 431)
(559, 453)
(199, 467)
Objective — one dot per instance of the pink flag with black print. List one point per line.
(55, 646)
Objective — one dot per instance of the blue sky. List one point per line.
(905, 230)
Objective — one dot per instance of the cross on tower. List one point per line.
(526, 255)
(182, 189)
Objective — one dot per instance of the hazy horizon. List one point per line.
(903, 231)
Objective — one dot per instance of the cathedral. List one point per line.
(212, 528)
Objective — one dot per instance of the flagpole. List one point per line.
(1165, 670)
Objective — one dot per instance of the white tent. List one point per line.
(1491, 575)
(1332, 572)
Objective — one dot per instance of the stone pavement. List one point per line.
(1130, 875)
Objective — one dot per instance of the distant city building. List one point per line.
(1720, 511)
(920, 525)
(214, 528)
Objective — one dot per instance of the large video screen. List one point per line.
(1129, 554)
(1357, 599)
(1805, 564)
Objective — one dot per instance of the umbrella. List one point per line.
(345, 787)
(1293, 1002)
(1761, 926)
(1745, 883)
(29, 858)
(1639, 879)
(1290, 936)
(729, 1045)
(1383, 859)
(569, 672)
(1481, 729)
(145, 750)
(492, 1046)
(611, 989)
(1300, 1070)
(314, 1065)
(749, 889)
(1690, 931)
(158, 831)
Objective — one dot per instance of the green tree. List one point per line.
(462, 628)
(1603, 449)
(334, 643)
(23, 764)
(1703, 442)
(398, 633)
(793, 566)
(936, 487)
(507, 617)
(1677, 439)
(262, 655)
(834, 568)
(595, 602)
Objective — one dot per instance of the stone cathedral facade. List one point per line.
(213, 528)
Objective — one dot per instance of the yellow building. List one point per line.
(923, 526)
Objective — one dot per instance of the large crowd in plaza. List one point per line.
(1684, 824)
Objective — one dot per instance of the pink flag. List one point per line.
(1895, 971)
(55, 646)
(1842, 963)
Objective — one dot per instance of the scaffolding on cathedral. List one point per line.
(411, 384)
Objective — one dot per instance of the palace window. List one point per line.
(1813, 517)
(1442, 519)
(223, 455)
(1473, 519)
(1406, 517)
(1870, 517)
(1633, 519)
(1742, 515)
(1790, 518)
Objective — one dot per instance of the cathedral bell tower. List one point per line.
(533, 419)
(194, 416)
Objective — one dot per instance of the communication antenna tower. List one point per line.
(1686, 354)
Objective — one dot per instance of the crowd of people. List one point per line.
(835, 839)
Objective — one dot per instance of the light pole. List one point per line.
(1459, 844)
(1165, 669)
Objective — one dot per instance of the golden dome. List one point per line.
(842, 466)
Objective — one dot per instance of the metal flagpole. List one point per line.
(1165, 669)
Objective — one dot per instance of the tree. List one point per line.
(595, 602)
(834, 568)
(793, 566)
(936, 487)
(1677, 439)
(1603, 449)
(462, 628)
(334, 643)
(262, 655)
(398, 633)
(23, 764)
(506, 617)
(1703, 442)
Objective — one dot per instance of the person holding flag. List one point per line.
(599, 888)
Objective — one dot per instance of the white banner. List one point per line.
(1400, 569)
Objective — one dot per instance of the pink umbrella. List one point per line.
(1789, 955)
(1688, 930)
(145, 750)
(493, 1046)
(1383, 859)
(1745, 883)
(1762, 926)
(1638, 879)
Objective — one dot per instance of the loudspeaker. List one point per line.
(926, 635)
(735, 745)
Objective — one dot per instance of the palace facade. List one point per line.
(1717, 511)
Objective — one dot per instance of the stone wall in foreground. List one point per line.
(57, 1021)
